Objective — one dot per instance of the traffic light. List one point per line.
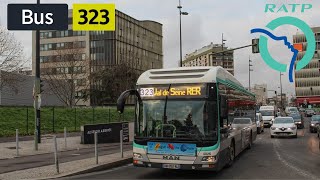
(41, 86)
(255, 46)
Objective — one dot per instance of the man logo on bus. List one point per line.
(295, 48)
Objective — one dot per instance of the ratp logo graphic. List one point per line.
(263, 44)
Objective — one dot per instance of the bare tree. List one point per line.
(112, 81)
(67, 73)
(11, 59)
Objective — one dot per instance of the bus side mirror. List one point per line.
(123, 97)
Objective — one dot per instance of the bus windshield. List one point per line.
(186, 119)
(267, 113)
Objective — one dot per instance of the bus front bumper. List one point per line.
(212, 167)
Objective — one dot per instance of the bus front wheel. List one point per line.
(231, 154)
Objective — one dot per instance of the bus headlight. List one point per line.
(208, 159)
(137, 156)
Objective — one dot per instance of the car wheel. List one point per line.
(272, 136)
(250, 141)
(231, 155)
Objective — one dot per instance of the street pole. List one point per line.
(180, 33)
(250, 73)
(180, 14)
(222, 45)
(37, 87)
(281, 91)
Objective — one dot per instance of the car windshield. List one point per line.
(266, 113)
(185, 119)
(242, 121)
(283, 120)
(295, 116)
(315, 118)
(293, 109)
(310, 111)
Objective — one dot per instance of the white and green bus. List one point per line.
(183, 118)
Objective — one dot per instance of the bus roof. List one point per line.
(204, 74)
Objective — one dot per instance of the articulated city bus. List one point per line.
(183, 117)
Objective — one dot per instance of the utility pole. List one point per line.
(222, 50)
(250, 65)
(281, 91)
(180, 14)
(37, 89)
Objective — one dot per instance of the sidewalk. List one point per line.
(31, 164)
(8, 149)
(71, 168)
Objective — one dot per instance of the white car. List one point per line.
(283, 126)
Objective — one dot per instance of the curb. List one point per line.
(98, 167)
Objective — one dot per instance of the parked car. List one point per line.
(283, 126)
(315, 122)
(260, 123)
(309, 113)
(297, 120)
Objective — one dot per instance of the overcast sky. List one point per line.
(206, 21)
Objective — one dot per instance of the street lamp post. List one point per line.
(222, 45)
(250, 65)
(181, 13)
(281, 90)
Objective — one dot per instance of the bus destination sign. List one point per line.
(175, 91)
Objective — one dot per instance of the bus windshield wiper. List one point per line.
(165, 118)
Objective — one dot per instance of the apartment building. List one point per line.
(209, 56)
(136, 43)
(307, 80)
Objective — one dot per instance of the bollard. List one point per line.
(56, 161)
(17, 142)
(96, 146)
(36, 140)
(121, 141)
(65, 137)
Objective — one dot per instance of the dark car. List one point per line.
(309, 113)
(297, 120)
(302, 110)
(315, 122)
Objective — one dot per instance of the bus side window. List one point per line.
(223, 111)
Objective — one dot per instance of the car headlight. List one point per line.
(273, 128)
(208, 158)
(293, 128)
(312, 124)
(137, 156)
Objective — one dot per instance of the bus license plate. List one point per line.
(171, 166)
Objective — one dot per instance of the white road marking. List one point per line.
(286, 163)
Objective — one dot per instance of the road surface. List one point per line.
(279, 158)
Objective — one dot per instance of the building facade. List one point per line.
(307, 80)
(261, 93)
(135, 43)
(209, 56)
